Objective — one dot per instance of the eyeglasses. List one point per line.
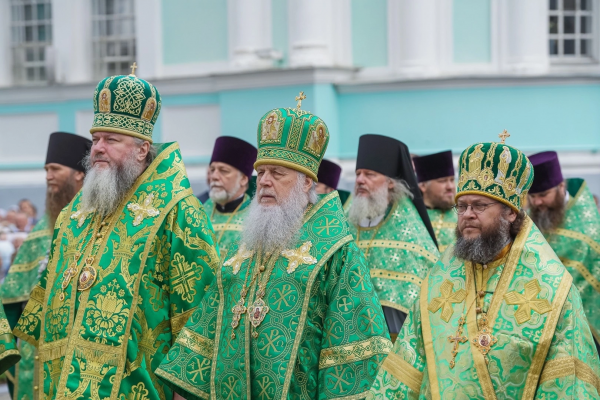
(477, 208)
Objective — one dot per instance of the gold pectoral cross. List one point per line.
(237, 310)
(457, 339)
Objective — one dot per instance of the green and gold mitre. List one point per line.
(126, 104)
(497, 171)
(292, 138)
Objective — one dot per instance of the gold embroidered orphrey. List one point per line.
(236, 261)
(299, 256)
(447, 298)
(299, 99)
(504, 135)
(528, 301)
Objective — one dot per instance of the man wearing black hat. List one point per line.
(329, 178)
(391, 225)
(435, 173)
(566, 213)
(230, 172)
(64, 178)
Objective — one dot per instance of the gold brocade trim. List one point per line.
(568, 366)
(38, 294)
(483, 373)
(53, 350)
(575, 199)
(351, 352)
(387, 303)
(396, 276)
(227, 227)
(302, 321)
(186, 386)
(533, 376)
(486, 194)
(8, 353)
(196, 342)
(358, 396)
(318, 206)
(583, 271)
(403, 371)
(213, 370)
(178, 321)
(578, 236)
(27, 266)
(12, 300)
(428, 340)
(393, 244)
(38, 234)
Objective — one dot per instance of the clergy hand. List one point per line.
(177, 397)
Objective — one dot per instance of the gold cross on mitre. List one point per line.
(504, 135)
(299, 99)
(133, 68)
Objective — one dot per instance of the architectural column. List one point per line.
(72, 41)
(310, 32)
(148, 38)
(525, 31)
(251, 29)
(413, 37)
(5, 43)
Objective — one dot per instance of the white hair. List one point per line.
(276, 227)
(377, 202)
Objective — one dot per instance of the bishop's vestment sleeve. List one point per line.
(404, 371)
(194, 257)
(355, 340)
(572, 367)
(9, 354)
(29, 324)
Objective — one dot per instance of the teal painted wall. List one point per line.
(472, 31)
(279, 30)
(194, 31)
(441, 119)
(369, 33)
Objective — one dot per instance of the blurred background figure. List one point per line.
(435, 173)
(329, 178)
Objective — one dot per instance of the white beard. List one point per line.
(369, 207)
(275, 227)
(219, 195)
(105, 188)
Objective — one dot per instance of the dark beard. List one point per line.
(439, 203)
(484, 248)
(550, 218)
(56, 201)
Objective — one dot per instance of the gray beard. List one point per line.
(550, 218)
(484, 248)
(104, 189)
(276, 227)
(369, 207)
(221, 196)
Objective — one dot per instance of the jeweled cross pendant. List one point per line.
(457, 339)
(237, 311)
(299, 99)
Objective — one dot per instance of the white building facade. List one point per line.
(436, 74)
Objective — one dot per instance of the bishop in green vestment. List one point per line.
(390, 224)
(498, 316)
(64, 177)
(230, 172)
(565, 211)
(131, 258)
(435, 173)
(293, 312)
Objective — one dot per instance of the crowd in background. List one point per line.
(15, 224)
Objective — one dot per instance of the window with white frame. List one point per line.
(31, 31)
(113, 37)
(571, 29)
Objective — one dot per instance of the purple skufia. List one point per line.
(434, 166)
(329, 173)
(546, 171)
(236, 152)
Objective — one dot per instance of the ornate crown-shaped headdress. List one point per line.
(495, 170)
(293, 138)
(126, 104)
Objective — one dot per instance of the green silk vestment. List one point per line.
(9, 355)
(154, 259)
(444, 224)
(324, 336)
(399, 253)
(541, 347)
(22, 277)
(577, 242)
(227, 226)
